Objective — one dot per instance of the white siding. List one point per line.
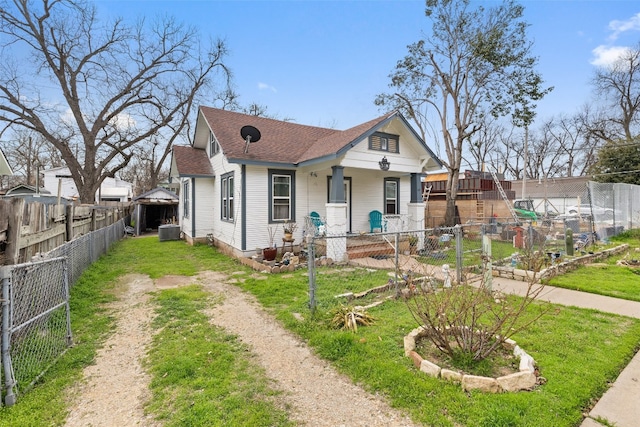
(199, 190)
(185, 222)
(204, 206)
(225, 231)
(367, 194)
(367, 190)
(406, 161)
(258, 209)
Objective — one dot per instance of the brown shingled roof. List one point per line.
(192, 161)
(281, 142)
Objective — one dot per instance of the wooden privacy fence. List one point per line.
(27, 229)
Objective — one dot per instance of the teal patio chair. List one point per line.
(318, 224)
(375, 221)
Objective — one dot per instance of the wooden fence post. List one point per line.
(69, 215)
(15, 213)
(93, 219)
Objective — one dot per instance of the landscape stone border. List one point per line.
(524, 379)
(558, 268)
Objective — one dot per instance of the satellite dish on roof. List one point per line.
(249, 134)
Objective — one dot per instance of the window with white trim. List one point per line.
(185, 199)
(226, 194)
(391, 196)
(281, 196)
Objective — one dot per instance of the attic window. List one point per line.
(214, 147)
(384, 142)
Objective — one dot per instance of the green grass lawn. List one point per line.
(578, 351)
(562, 342)
(607, 278)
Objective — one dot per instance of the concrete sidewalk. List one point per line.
(620, 405)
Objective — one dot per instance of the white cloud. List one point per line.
(264, 86)
(123, 121)
(619, 27)
(604, 56)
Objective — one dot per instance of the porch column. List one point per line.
(416, 215)
(337, 226)
(337, 216)
(336, 192)
(416, 188)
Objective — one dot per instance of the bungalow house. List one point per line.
(238, 190)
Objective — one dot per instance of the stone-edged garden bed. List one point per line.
(524, 379)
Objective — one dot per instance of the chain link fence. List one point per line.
(613, 207)
(349, 267)
(36, 328)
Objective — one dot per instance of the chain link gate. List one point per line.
(36, 326)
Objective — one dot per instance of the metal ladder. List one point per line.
(504, 196)
(426, 192)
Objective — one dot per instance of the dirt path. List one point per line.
(116, 386)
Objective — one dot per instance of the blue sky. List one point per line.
(322, 63)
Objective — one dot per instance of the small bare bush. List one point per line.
(473, 321)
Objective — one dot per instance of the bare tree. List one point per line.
(114, 85)
(619, 86)
(509, 153)
(474, 61)
(26, 151)
(484, 143)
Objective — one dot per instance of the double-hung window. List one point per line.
(281, 195)
(226, 197)
(391, 196)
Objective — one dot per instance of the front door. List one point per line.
(347, 196)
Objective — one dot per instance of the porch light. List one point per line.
(384, 164)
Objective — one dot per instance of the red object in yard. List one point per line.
(518, 239)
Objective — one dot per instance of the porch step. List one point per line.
(371, 250)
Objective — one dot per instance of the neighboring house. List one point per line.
(236, 192)
(24, 189)
(111, 190)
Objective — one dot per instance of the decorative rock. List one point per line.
(430, 368)
(527, 363)
(474, 382)
(511, 343)
(518, 381)
(409, 345)
(448, 374)
(417, 359)
(416, 332)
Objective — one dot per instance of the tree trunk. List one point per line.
(452, 194)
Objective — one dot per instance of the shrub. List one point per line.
(472, 320)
